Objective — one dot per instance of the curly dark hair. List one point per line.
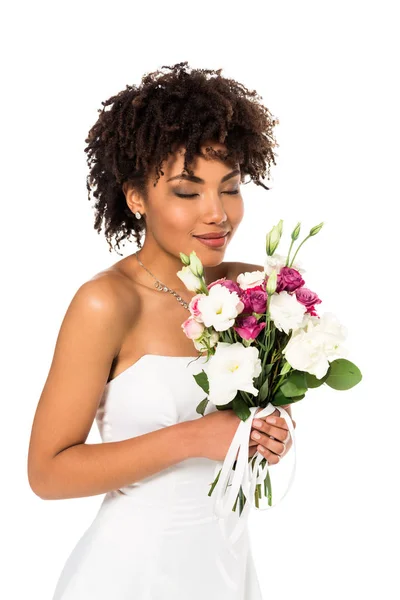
(140, 126)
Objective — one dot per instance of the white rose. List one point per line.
(232, 368)
(310, 348)
(286, 312)
(277, 261)
(220, 308)
(250, 279)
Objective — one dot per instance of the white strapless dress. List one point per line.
(158, 539)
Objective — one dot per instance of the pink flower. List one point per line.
(289, 280)
(192, 328)
(309, 299)
(228, 283)
(248, 327)
(193, 307)
(254, 300)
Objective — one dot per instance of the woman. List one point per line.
(167, 158)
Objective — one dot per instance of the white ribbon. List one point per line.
(247, 472)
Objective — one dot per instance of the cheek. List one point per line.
(177, 219)
(236, 213)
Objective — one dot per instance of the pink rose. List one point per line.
(254, 300)
(309, 299)
(194, 308)
(289, 280)
(192, 328)
(248, 327)
(228, 283)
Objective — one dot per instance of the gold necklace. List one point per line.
(162, 287)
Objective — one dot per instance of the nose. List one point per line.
(213, 208)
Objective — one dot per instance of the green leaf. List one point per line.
(294, 385)
(240, 407)
(202, 380)
(201, 407)
(280, 399)
(286, 368)
(263, 391)
(267, 369)
(343, 374)
(314, 382)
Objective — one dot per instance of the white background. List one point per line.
(329, 71)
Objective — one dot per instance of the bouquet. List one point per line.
(266, 346)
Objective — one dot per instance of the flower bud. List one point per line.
(195, 264)
(272, 282)
(316, 229)
(184, 258)
(286, 368)
(296, 232)
(273, 238)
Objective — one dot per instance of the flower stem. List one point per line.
(300, 245)
(214, 483)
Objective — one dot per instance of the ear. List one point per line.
(133, 198)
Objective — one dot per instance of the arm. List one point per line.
(60, 463)
(90, 469)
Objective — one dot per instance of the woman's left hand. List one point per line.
(275, 440)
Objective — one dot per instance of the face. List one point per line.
(179, 208)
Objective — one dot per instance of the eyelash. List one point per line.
(192, 195)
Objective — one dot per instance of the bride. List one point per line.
(168, 159)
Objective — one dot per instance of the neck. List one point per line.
(164, 267)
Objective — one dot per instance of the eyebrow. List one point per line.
(199, 180)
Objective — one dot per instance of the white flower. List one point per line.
(189, 279)
(220, 307)
(250, 279)
(310, 348)
(286, 312)
(277, 261)
(306, 319)
(232, 368)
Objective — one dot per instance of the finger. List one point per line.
(278, 421)
(278, 433)
(271, 457)
(274, 446)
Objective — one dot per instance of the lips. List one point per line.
(212, 236)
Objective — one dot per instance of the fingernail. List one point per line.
(257, 422)
(255, 435)
(271, 420)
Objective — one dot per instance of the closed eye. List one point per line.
(193, 195)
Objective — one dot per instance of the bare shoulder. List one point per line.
(90, 336)
(114, 291)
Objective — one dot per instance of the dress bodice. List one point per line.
(155, 392)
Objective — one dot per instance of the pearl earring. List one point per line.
(138, 215)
